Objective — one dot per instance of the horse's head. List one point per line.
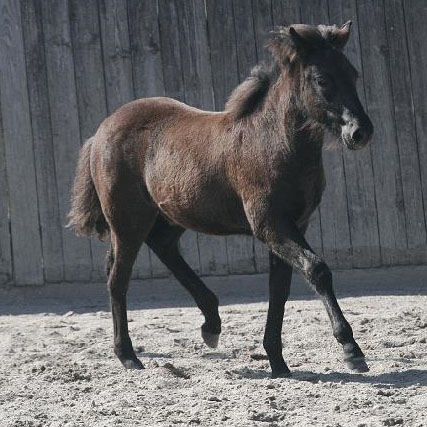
(324, 78)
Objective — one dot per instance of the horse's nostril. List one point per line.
(357, 135)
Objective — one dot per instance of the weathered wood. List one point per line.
(119, 85)
(91, 98)
(65, 129)
(181, 32)
(213, 249)
(5, 237)
(415, 15)
(405, 130)
(361, 203)
(263, 24)
(26, 241)
(147, 80)
(240, 249)
(47, 191)
(387, 175)
(334, 225)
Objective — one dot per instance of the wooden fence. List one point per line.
(65, 65)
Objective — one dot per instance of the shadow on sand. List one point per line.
(398, 379)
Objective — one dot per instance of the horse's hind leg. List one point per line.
(128, 232)
(163, 240)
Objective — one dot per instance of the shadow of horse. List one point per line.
(399, 379)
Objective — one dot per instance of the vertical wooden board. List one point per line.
(92, 108)
(388, 185)
(147, 81)
(170, 41)
(65, 129)
(287, 12)
(116, 53)
(5, 237)
(240, 249)
(145, 48)
(415, 14)
(118, 75)
(263, 24)
(184, 42)
(335, 229)
(405, 129)
(362, 211)
(212, 249)
(25, 226)
(48, 203)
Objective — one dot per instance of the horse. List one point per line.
(157, 167)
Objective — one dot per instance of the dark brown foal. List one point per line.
(157, 167)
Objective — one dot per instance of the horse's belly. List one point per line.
(196, 203)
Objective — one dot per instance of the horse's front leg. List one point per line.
(287, 242)
(279, 286)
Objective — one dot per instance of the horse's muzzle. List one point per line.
(356, 135)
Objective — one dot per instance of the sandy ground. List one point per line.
(57, 366)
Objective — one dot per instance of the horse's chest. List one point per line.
(304, 194)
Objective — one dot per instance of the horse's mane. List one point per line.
(249, 96)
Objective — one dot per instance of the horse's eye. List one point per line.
(323, 82)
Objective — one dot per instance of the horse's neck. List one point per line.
(284, 121)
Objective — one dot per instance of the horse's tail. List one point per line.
(86, 217)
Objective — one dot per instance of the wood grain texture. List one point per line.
(65, 129)
(47, 191)
(64, 66)
(147, 81)
(5, 237)
(385, 155)
(361, 202)
(90, 86)
(21, 175)
(334, 222)
(415, 16)
(405, 131)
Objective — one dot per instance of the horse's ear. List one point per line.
(338, 37)
(286, 44)
(300, 44)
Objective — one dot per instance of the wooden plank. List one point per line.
(25, 226)
(334, 222)
(385, 156)
(65, 129)
(91, 98)
(120, 90)
(263, 24)
(224, 64)
(405, 129)
(361, 201)
(5, 237)
(240, 249)
(47, 191)
(176, 32)
(415, 15)
(147, 80)
(287, 12)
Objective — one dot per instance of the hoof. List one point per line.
(211, 340)
(132, 363)
(281, 374)
(357, 364)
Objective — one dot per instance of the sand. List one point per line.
(57, 366)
